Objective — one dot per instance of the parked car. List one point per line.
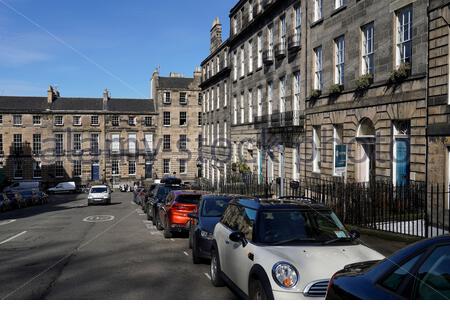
(420, 272)
(138, 194)
(282, 249)
(23, 186)
(173, 216)
(99, 195)
(30, 197)
(42, 197)
(16, 200)
(64, 187)
(5, 203)
(203, 221)
(158, 198)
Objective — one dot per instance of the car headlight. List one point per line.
(285, 275)
(90, 197)
(106, 196)
(206, 235)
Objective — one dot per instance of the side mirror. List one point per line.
(193, 216)
(238, 237)
(355, 234)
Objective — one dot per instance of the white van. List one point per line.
(64, 187)
(24, 185)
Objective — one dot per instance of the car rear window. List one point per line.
(189, 199)
(215, 207)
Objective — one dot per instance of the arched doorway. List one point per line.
(365, 159)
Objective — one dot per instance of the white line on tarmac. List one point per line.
(186, 254)
(173, 240)
(13, 237)
(207, 275)
(4, 223)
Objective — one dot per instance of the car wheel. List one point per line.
(190, 240)
(257, 291)
(216, 273)
(167, 233)
(159, 227)
(195, 258)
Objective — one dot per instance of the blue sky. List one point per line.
(85, 46)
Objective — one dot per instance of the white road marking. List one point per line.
(4, 223)
(13, 237)
(173, 240)
(207, 275)
(186, 254)
(142, 214)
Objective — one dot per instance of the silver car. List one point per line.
(99, 195)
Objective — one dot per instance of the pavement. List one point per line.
(50, 252)
(66, 250)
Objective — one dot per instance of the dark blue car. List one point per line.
(418, 272)
(210, 210)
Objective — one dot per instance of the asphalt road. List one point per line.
(50, 252)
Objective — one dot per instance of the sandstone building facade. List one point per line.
(105, 140)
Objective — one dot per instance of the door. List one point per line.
(402, 162)
(95, 170)
(148, 170)
(222, 232)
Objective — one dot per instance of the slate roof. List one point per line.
(39, 104)
(175, 83)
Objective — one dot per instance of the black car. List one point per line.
(157, 197)
(210, 210)
(419, 272)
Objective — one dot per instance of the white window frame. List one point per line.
(166, 164)
(404, 29)
(183, 166)
(269, 98)
(59, 120)
(316, 150)
(37, 123)
(235, 66)
(250, 106)
(115, 171)
(132, 167)
(225, 93)
(132, 143)
(167, 97)
(317, 14)
(17, 119)
(260, 101)
(337, 139)
(260, 51)
(339, 69)
(115, 143)
(77, 166)
(76, 121)
(367, 57)
(282, 94)
(250, 56)
(318, 68)
(235, 111)
(339, 3)
(225, 134)
(242, 105)
(242, 56)
(96, 122)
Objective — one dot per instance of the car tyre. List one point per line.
(215, 271)
(195, 258)
(259, 290)
(158, 224)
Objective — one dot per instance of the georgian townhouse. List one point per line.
(178, 100)
(366, 90)
(57, 139)
(264, 87)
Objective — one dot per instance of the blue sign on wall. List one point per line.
(340, 159)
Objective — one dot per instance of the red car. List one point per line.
(173, 215)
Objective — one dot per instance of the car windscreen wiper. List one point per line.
(337, 240)
(279, 243)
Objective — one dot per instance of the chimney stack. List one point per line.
(106, 97)
(52, 95)
(216, 35)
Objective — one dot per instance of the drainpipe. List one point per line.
(306, 84)
(427, 123)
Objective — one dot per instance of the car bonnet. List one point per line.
(319, 262)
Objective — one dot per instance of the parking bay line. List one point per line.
(207, 275)
(13, 237)
(186, 254)
(4, 223)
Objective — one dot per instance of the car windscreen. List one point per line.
(277, 227)
(215, 207)
(188, 198)
(163, 192)
(99, 190)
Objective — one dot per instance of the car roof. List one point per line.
(278, 204)
(100, 186)
(221, 196)
(187, 192)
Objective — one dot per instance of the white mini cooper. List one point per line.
(282, 249)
